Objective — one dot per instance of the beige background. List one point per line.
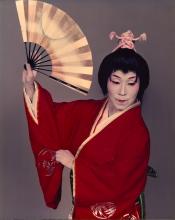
(21, 196)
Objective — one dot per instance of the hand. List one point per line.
(65, 157)
(28, 78)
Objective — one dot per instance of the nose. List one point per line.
(122, 90)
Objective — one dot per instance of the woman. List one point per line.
(104, 142)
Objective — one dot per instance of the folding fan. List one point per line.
(55, 45)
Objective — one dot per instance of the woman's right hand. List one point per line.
(28, 78)
(65, 157)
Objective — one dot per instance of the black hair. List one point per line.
(126, 60)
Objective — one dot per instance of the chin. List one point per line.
(118, 105)
(121, 106)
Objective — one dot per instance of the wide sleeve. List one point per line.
(131, 168)
(45, 129)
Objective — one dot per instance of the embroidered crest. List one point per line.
(46, 162)
(129, 217)
(103, 210)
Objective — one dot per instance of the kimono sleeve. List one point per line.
(45, 140)
(131, 168)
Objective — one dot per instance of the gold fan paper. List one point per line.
(55, 45)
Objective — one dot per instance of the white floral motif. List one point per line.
(103, 210)
(128, 217)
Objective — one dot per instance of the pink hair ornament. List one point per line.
(127, 39)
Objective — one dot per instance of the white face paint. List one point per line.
(122, 90)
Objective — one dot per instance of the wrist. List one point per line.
(29, 89)
(29, 86)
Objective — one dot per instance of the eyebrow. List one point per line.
(132, 77)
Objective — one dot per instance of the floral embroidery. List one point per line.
(103, 210)
(46, 162)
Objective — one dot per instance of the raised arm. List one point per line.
(28, 78)
(46, 125)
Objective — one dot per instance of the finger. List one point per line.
(59, 159)
(23, 72)
(29, 69)
(58, 151)
(68, 152)
(58, 155)
(34, 73)
(23, 75)
(27, 65)
(31, 74)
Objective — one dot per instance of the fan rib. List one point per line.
(25, 43)
(84, 91)
(29, 50)
(76, 75)
(73, 80)
(43, 65)
(69, 85)
(47, 55)
(33, 51)
(37, 51)
(39, 56)
(76, 69)
(38, 68)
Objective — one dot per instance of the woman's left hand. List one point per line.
(65, 157)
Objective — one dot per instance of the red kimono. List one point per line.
(110, 166)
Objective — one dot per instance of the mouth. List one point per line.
(121, 100)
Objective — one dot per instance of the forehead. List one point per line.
(121, 74)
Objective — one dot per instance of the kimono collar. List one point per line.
(103, 119)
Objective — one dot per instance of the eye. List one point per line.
(131, 83)
(115, 82)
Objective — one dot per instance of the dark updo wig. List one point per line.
(125, 60)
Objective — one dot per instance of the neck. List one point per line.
(111, 109)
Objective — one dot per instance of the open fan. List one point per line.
(55, 45)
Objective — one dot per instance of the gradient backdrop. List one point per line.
(20, 194)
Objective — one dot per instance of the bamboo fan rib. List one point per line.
(55, 45)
